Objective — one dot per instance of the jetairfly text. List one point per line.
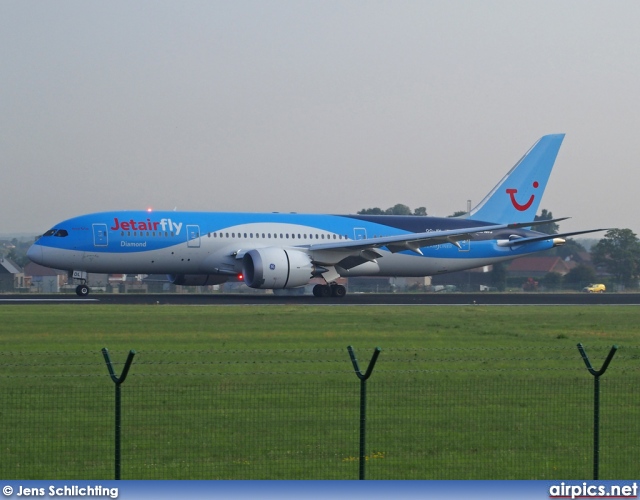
(148, 225)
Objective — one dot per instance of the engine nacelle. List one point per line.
(276, 268)
(196, 279)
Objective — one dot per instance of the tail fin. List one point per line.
(517, 196)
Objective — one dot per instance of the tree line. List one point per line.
(398, 209)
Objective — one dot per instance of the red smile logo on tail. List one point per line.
(515, 203)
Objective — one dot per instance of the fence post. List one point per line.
(363, 402)
(118, 381)
(596, 403)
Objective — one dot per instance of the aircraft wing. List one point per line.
(523, 241)
(414, 241)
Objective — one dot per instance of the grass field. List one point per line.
(249, 392)
(267, 327)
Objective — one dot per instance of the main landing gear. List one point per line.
(332, 290)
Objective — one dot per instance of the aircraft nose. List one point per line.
(35, 253)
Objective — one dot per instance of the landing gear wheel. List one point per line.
(82, 290)
(322, 291)
(338, 291)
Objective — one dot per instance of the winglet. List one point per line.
(517, 196)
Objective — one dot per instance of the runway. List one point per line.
(354, 299)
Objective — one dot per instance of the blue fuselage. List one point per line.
(214, 243)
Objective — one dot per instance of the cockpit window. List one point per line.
(60, 233)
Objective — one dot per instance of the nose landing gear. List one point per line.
(82, 290)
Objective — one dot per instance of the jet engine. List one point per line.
(276, 268)
(197, 279)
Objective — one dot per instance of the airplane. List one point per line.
(287, 250)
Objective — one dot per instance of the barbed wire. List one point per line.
(279, 373)
(327, 350)
(294, 361)
(476, 361)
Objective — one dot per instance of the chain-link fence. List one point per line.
(431, 414)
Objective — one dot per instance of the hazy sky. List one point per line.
(314, 106)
